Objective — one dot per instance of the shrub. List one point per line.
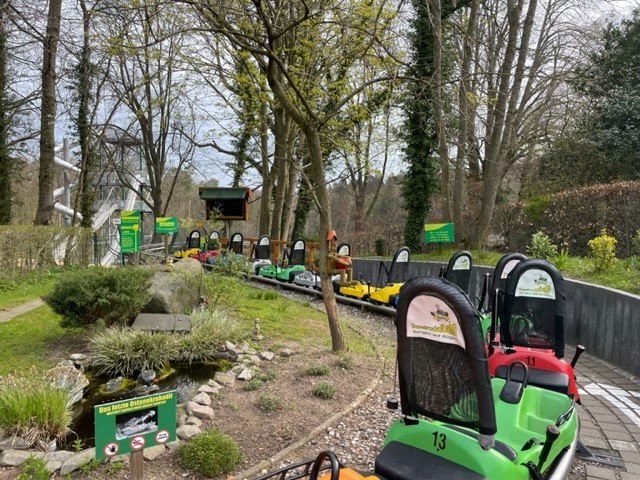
(126, 352)
(541, 246)
(318, 369)
(346, 362)
(209, 329)
(635, 242)
(269, 402)
(253, 384)
(603, 250)
(32, 408)
(324, 390)
(34, 468)
(110, 295)
(210, 453)
(232, 265)
(267, 375)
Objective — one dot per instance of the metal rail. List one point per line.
(391, 312)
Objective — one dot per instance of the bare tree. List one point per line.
(296, 44)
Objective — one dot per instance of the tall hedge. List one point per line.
(573, 217)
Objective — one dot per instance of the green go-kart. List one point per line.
(456, 422)
(292, 263)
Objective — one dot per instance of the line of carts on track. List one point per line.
(485, 392)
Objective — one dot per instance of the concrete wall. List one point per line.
(606, 321)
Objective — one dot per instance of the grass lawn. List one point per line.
(28, 340)
(32, 286)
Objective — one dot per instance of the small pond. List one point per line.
(185, 378)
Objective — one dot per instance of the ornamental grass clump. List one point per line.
(210, 453)
(210, 328)
(603, 251)
(34, 409)
(123, 351)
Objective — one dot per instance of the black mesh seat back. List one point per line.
(298, 252)
(344, 250)
(235, 244)
(263, 248)
(441, 357)
(213, 242)
(459, 270)
(194, 239)
(533, 309)
(503, 268)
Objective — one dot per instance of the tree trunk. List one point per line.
(5, 159)
(280, 161)
(48, 115)
(324, 212)
(267, 180)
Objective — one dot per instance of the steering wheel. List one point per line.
(322, 457)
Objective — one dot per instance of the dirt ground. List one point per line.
(262, 434)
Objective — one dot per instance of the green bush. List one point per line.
(210, 453)
(269, 402)
(318, 369)
(34, 468)
(603, 251)
(346, 362)
(324, 390)
(635, 242)
(267, 375)
(123, 351)
(541, 246)
(253, 384)
(232, 265)
(32, 408)
(110, 295)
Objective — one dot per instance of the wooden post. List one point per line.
(136, 461)
(166, 248)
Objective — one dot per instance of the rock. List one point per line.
(201, 411)
(176, 291)
(15, 443)
(202, 398)
(246, 374)
(151, 453)
(268, 356)
(251, 351)
(231, 347)
(254, 360)
(15, 458)
(227, 379)
(78, 459)
(185, 432)
(54, 460)
(244, 346)
(208, 389)
(173, 445)
(49, 446)
(113, 384)
(286, 352)
(214, 384)
(77, 357)
(182, 419)
(146, 377)
(124, 458)
(194, 421)
(236, 370)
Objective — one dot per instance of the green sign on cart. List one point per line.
(129, 425)
(166, 224)
(438, 232)
(129, 231)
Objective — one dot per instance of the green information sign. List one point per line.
(166, 224)
(438, 232)
(129, 231)
(129, 425)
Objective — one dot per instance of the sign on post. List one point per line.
(129, 231)
(438, 233)
(127, 426)
(166, 224)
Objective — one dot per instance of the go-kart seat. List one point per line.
(538, 377)
(399, 461)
